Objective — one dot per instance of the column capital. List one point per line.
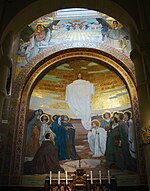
(145, 134)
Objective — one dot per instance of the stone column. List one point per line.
(144, 89)
(141, 59)
(5, 64)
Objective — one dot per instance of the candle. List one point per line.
(100, 177)
(50, 177)
(58, 177)
(108, 177)
(66, 178)
(91, 178)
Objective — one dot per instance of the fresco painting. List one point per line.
(109, 143)
(53, 29)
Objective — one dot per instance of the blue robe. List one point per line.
(60, 139)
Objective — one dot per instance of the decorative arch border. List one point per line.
(83, 44)
(27, 79)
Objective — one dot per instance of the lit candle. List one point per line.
(50, 177)
(108, 177)
(100, 177)
(58, 177)
(66, 178)
(91, 178)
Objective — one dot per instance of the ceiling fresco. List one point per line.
(74, 26)
(49, 93)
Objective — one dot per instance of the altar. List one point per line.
(80, 180)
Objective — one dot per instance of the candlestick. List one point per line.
(66, 178)
(91, 177)
(50, 177)
(79, 163)
(108, 177)
(100, 177)
(58, 177)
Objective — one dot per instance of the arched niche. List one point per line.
(28, 78)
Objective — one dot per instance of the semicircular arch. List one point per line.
(22, 89)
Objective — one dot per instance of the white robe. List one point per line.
(45, 128)
(78, 97)
(97, 141)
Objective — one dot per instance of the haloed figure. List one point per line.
(97, 139)
(117, 151)
(131, 133)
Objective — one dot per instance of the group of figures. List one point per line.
(114, 138)
(48, 143)
(45, 36)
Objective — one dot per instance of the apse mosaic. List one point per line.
(79, 104)
(71, 26)
(50, 92)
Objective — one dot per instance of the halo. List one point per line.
(44, 114)
(104, 114)
(96, 120)
(52, 117)
(129, 112)
(115, 112)
(68, 119)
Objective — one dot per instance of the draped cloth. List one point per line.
(97, 141)
(60, 138)
(78, 97)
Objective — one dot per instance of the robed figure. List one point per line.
(61, 137)
(117, 151)
(78, 97)
(97, 139)
(45, 159)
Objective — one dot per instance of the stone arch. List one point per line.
(23, 87)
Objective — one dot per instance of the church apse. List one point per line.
(42, 45)
(110, 96)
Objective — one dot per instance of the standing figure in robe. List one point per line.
(35, 118)
(45, 127)
(61, 138)
(97, 139)
(33, 144)
(78, 97)
(131, 134)
(123, 125)
(45, 159)
(70, 130)
(106, 120)
(117, 150)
